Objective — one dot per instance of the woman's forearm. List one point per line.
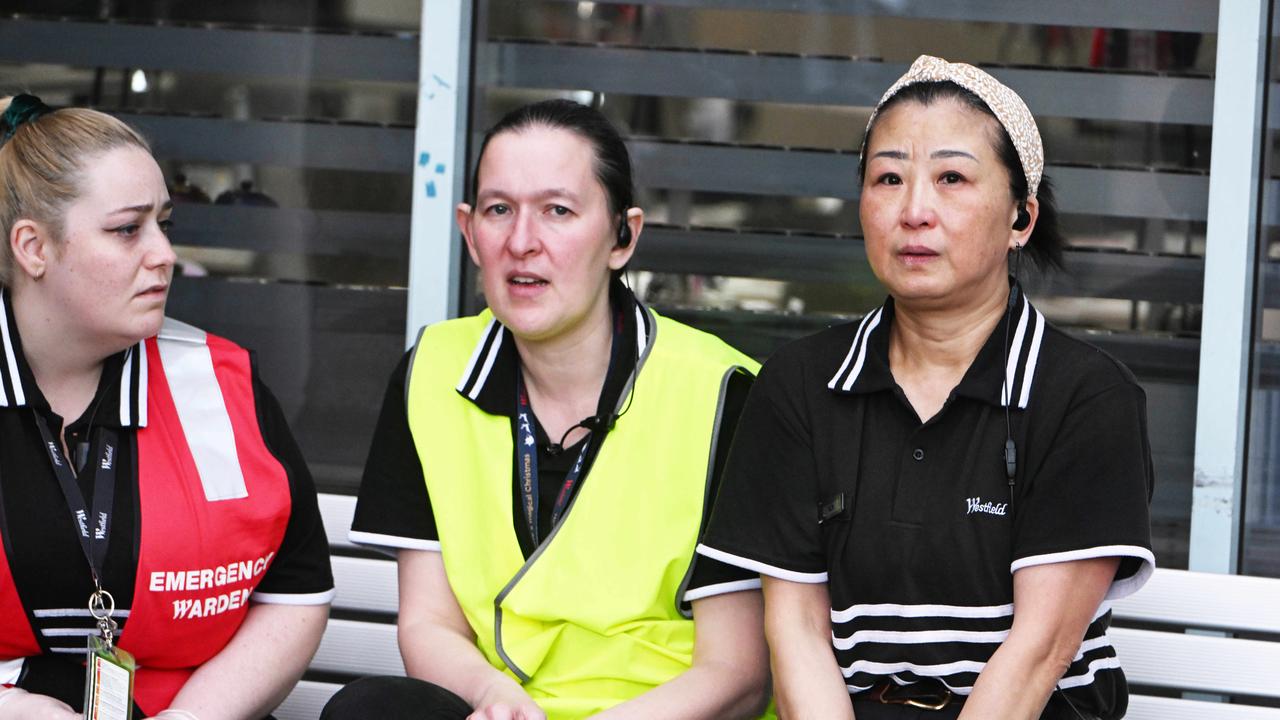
(807, 682)
(807, 685)
(1054, 605)
(438, 644)
(705, 692)
(1016, 682)
(258, 668)
(729, 677)
(441, 655)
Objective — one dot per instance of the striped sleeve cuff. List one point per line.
(1120, 587)
(723, 588)
(389, 544)
(319, 598)
(762, 568)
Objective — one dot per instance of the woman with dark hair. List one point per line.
(944, 498)
(543, 470)
(157, 516)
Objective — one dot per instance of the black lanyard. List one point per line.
(527, 447)
(527, 464)
(94, 530)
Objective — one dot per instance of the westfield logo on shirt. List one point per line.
(976, 505)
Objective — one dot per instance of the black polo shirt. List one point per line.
(394, 509)
(920, 561)
(42, 546)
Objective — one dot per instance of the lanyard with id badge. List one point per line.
(108, 688)
(527, 450)
(527, 465)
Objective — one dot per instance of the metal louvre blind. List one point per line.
(744, 118)
(312, 102)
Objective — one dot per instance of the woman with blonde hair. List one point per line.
(162, 547)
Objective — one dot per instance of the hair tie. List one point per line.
(22, 108)
(1009, 109)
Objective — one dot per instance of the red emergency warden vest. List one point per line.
(213, 506)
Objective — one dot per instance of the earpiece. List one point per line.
(1024, 218)
(624, 233)
(1010, 448)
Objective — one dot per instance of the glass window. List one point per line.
(286, 133)
(1261, 541)
(745, 125)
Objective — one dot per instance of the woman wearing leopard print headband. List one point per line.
(944, 497)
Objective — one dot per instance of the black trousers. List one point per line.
(394, 698)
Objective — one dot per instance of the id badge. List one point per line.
(108, 686)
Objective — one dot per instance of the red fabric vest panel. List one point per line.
(17, 640)
(199, 560)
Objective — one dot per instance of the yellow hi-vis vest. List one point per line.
(592, 618)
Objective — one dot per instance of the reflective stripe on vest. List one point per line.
(197, 398)
(18, 640)
(582, 629)
(214, 501)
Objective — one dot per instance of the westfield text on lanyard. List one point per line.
(109, 670)
(93, 528)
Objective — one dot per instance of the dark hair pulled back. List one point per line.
(612, 162)
(1046, 242)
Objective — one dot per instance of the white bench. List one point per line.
(1158, 655)
(1163, 658)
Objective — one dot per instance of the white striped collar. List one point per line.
(1026, 337)
(121, 402)
(865, 366)
(489, 377)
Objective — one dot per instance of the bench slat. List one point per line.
(365, 584)
(1195, 662)
(1146, 707)
(1207, 600)
(359, 648)
(337, 511)
(306, 701)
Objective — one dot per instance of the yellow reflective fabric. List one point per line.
(592, 618)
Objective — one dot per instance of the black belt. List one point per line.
(926, 694)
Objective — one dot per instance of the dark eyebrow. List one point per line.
(942, 154)
(892, 154)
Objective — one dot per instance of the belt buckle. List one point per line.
(944, 698)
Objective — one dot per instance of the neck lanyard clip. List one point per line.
(102, 606)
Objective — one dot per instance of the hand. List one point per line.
(174, 714)
(503, 711)
(20, 704)
(505, 700)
